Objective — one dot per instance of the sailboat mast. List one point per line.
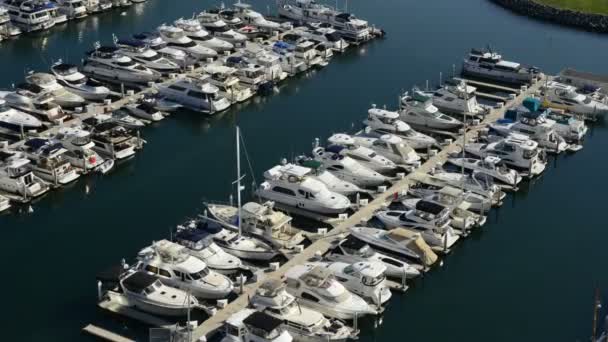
(238, 177)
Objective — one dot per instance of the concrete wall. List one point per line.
(589, 22)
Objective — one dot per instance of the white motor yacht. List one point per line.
(563, 96)
(381, 121)
(72, 9)
(238, 244)
(114, 141)
(177, 39)
(33, 101)
(193, 30)
(289, 185)
(452, 196)
(176, 267)
(430, 219)
(42, 83)
(420, 112)
(49, 162)
(260, 220)
(7, 28)
(75, 82)
(213, 23)
(249, 325)
(30, 15)
(269, 61)
(316, 287)
(144, 110)
(303, 324)
(517, 151)
(390, 146)
(249, 74)
(492, 166)
(308, 11)
(225, 79)
(365, 279)
(397, 242)
(289, 63)
(15, 120)
(487, 64)
(17, 178)
(200, 244)
(122, 118)
(97, 6)
(352, 250)
(534, 124)
(363, 155)
(251, 17)
(455, 97)
(79, 148)
(146, 56)
(477, 182)
(328, 36)
(154, 41)
(195, 94)
(147, 293)
(347, 168)
(317, 172)
(107, 62)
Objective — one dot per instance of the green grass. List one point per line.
(588, 6)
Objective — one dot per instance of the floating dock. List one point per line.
(211, 325)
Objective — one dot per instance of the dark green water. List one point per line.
(529, 275)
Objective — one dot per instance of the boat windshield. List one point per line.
(152, 288)
(189, 44)
(373, 281)
(126, 63)
(200, 274)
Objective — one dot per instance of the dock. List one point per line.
(105, 334)
(490, 86)
(211, 325)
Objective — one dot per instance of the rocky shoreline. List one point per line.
(586, 21)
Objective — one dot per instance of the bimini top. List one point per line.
(335, 149)
(138, 281)
(263, 321)
(132, 42)
(429, 207)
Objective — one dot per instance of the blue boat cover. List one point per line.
(36, 143)
(334, 148)
(504, 121)
(281, 45)
(234, 60)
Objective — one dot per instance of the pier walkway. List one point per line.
(207, 328)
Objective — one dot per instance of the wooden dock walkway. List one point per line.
(105, 334)
(211, 325)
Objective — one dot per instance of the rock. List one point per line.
(586, 21)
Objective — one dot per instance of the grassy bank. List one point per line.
(588, 6)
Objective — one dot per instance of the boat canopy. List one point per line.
(263, 321)
(334, 149)
(429, 207)
(311, 163)
(132, 42)
(138, 281)
(416, 243)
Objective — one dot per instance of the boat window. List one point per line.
(175, 87)
(284, 191)
(151, 269)
(349, 269)
(189, 44)
(200, 274)
(373, 281)
(150, 289)
(307, 296)
(178, 274)
(164, 273)
(232, 330)
(196, 94)
(342, 280)
(336, 168)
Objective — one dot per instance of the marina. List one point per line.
(300, 242)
